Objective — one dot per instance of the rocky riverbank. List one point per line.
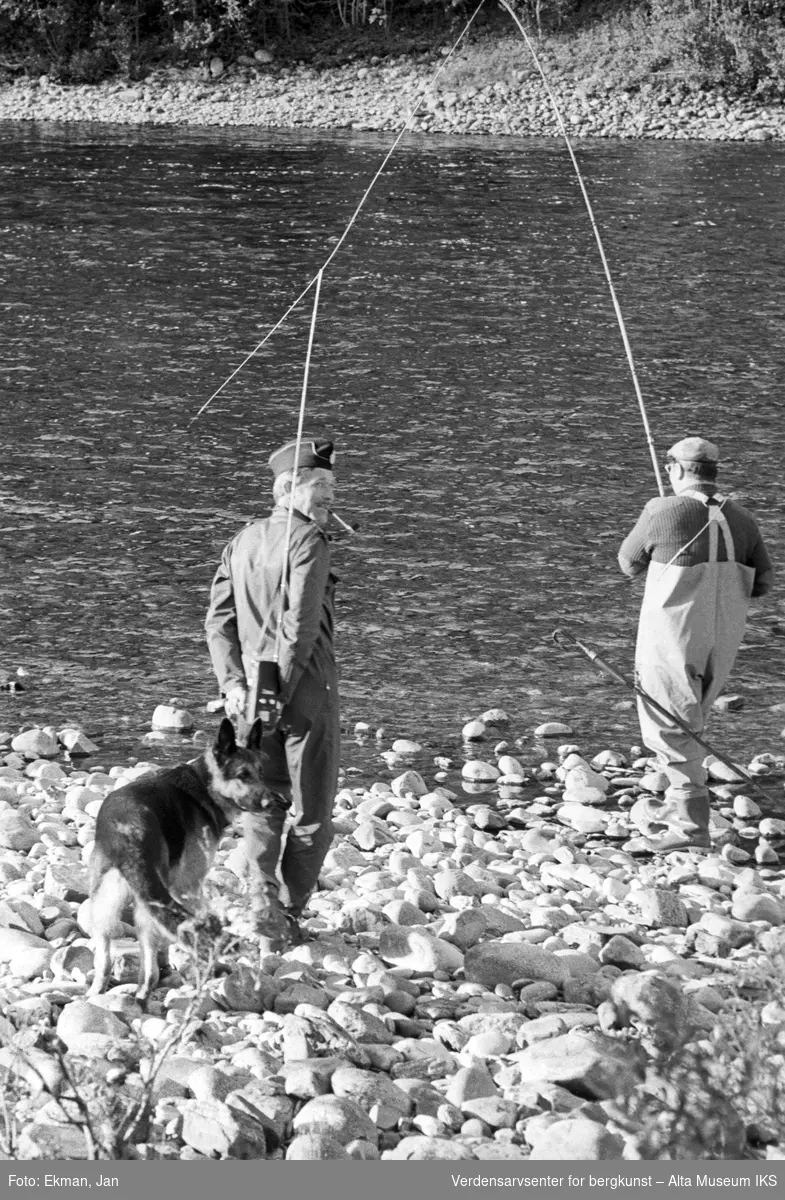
(491, 973)
(378, 97)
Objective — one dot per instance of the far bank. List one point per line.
(467, 98)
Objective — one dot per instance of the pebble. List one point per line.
(480, 982)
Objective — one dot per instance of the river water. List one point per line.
(467, 362)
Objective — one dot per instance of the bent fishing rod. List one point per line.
(316, 280)
(564, 639)
(614, 298)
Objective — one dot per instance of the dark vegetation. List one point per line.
(735, 45)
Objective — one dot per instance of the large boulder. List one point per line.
(492, 963)
(591, 1066)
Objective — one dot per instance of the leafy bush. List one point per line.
(714, 1097)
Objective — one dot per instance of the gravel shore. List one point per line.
(379, 96)
(491, 972)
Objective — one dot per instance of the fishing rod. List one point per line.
(600, 247)
(317, 278)
(564, 639)
(264, 691)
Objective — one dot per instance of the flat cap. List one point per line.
(314, 452)
(694, 449)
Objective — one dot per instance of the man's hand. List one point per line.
(235, 701)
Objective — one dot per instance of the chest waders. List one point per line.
(691, 624)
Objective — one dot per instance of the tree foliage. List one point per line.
(735, 44)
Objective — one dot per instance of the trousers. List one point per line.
(287, 843)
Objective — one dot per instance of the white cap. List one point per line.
(694, 449)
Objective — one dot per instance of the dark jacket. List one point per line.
(243, 617)
(674, 529)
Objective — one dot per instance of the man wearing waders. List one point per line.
(705, 558)
(247, 625)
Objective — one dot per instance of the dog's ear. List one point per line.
(255, 736)
(225, 743)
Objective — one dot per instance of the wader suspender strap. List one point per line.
(715, 517)
(716, 522)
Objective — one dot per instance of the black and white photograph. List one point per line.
(392, 671)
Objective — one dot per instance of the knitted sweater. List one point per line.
(667, 526)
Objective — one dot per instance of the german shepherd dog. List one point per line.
(155, 839)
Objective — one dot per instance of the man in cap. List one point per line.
(705, 558)
(286, 624)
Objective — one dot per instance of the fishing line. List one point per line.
(412, 114)
(301, 419)
(590, 210)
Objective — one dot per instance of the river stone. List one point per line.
(608, 758)
(336, 1116)
(319, 1146)
(579, 793)
(492, 963)
(67, 959)
(418, 950)
(491, 1044)
(360, 1024)
(58, 1143)
(725, 928)
(406, 746)
(552, 729)
(169, 717)
(660, 907)
(495, 716)
(79, 1018)
(583, 777)
(421, 1148)
(39, 1070)
(36, 743)
(582, 818)
(44, 772)
(494, 1111)
(746, 808)
(76, 742)
(409, 782)
(468, 1083)
(17, 832)
(720, 771)
(403, 912)
(368, 1089)
(67, 881)
(464, 929)
(308, 1078)
(371, 833)
(473, 731)
(757, 906)
(342, 856)
(589, 1065)
(576, 1138)
(654, 782)
(213, 1129)
(15, 942)
(30, 963)
(478, 771)
(619, 951)
(510, 766)
(449, 883)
